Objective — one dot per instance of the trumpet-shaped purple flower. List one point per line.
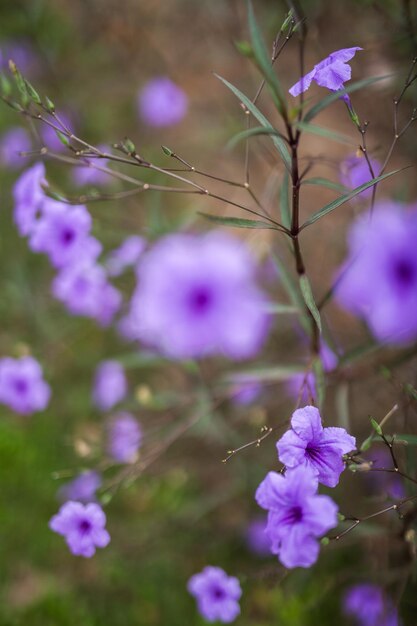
(197, 296)
(310, 445)
(217, 594)
(297, 515)
(82, 489)
(368, 604)
(29, 198)
(126, 255)
(354, 171)
(110, 385)
(331, 73)
(378, 281)
(63, 234)
(124, 438)
(22, 387)
(162, 103)
(84, 290)
(11, 143)
(83, 527)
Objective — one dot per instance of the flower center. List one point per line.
(218, 593)
(20, 386)
(295, 514)
(312, 453)
(200, 300)
(405, 272)
(67, 236)
(84, 526)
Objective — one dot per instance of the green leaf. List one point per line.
(238, 222)
(271, 374)
(325, 182)
(283, 309)
(319, 380)
(328, 208)
(277, 141)
(244, 48)
(325, 132)
(293, 292)
(309, 299)
(246, 134)
(410, 439)
(317, 108)
(284, 202)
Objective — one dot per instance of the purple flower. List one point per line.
(49, 136)
(245, 391)
(257, 538)
(378, 281)
(124, 438)
(83, 527)
(368, 604)
(331, 73)
(11, 143)
(110, 385)
(126, 255)
(29, 198)
(197, 296)
(82, 489)
(63, 234)
(84, 290)
(302, 386)
(84, 174)
(22, 53)
(217, 594)
(22, 387)
(384, 483)
(310, 445)
(354, 171)
(162, 103)
(297, 515)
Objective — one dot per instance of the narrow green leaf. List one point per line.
(293, 292)
(325, 132)
(271, 374)
(284, 202)
(328, 208)
(309, 299)
(277, 141)
(410, 439)
(320, 381)
(246, 134)
(283, 309)
(317, 108)
(325, 182)
(238, 222)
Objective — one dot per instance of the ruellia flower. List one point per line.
(354, 172)
(49, 136)
(110, 385)
(308, 444)
(12, 142)
(378, 280)
(82, 488)
(63, 234)
(124, 437)
(244, 391)
(331, 73)
(126, 255)
(83, 527)
(369, 606)
(216, 593)
(22, 387)
(197, 296)
(86, 174)
(297, 515)
(161, 102)
(256, 537)
(29, 198)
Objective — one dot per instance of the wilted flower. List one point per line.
(354, 172)
(12, 142)
(217, 594)
(126, 255)
(197, 296)
(257, 538)
(29, 198)
(110, 385)
(368, 604)
(162, 103)
(124, 438)
(332, 72)
(310, 445)
(378, 281)
(297, 515)
(82, 488)
(22, 387)
(83, 527)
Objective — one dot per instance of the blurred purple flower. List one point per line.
(245, 391)
(12, 142)
(378, 281)
(22, 387)
(354, 171)
(297, 515)
(217, 594)
(110, 385)
(369, 606)
(23, 55)
(384, 483)
(83, 527)
(49, 136)
(303, 385)
(63, 234)
(126, 255)
(331, 73)
(84, 175)
(29, 198)
(197, 296)
(257, 538)
(124, 437)
(82, 489)
(308, 444)
(84, 290)
(161, 102)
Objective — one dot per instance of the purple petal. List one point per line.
(303, 84)
(306, 422)
(338, 438)
(291, 449)
(268, 495)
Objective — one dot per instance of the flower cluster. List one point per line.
(22, 387)
(217, 594)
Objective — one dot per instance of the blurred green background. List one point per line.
(186, 509)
